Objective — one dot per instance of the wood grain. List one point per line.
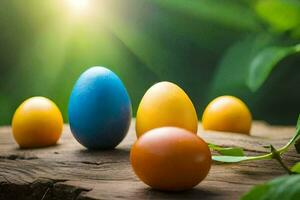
(69, 171)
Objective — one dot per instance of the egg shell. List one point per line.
(170, 159)
(99, 109)
(166, 104)
(37, 123)
(227, 114)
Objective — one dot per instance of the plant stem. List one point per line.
(262, 157)
(276, 155)
(291, 142)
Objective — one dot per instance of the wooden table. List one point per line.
(69, 171)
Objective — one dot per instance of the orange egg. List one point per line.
(227, 113)
(171, 159)
(37, 123)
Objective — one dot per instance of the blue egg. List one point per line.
(99, 109)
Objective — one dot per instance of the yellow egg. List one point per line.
(228, 114)
(166, 104)
(37, 123)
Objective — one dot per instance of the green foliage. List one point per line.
(282, 15)
(209, 48)
(296, 168)
(216, 11)
(233, 70)
(252, 60)
(282, 188)
(262, 64)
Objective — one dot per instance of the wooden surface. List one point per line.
(69, 171)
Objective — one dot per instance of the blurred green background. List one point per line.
(209, 47)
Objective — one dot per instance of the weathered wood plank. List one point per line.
(69, 171)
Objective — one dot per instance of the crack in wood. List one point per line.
(42, 188)
(97, 163)
(18, 157)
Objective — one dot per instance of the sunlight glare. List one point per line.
(79, 6)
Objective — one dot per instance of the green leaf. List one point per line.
(248, 63)
(261, 189)
(236, 159)
(231, 159)
(227, 151)
(263, 63)
(233, 70)
(285, 187)
(296, 168)
(282, 15)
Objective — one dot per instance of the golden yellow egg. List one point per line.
(166, 104)
(228, 114)
(37, 123)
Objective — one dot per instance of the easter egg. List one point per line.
(37, 122)
(171, 159)
(99, 109)
(166, 104)
(228, 114)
